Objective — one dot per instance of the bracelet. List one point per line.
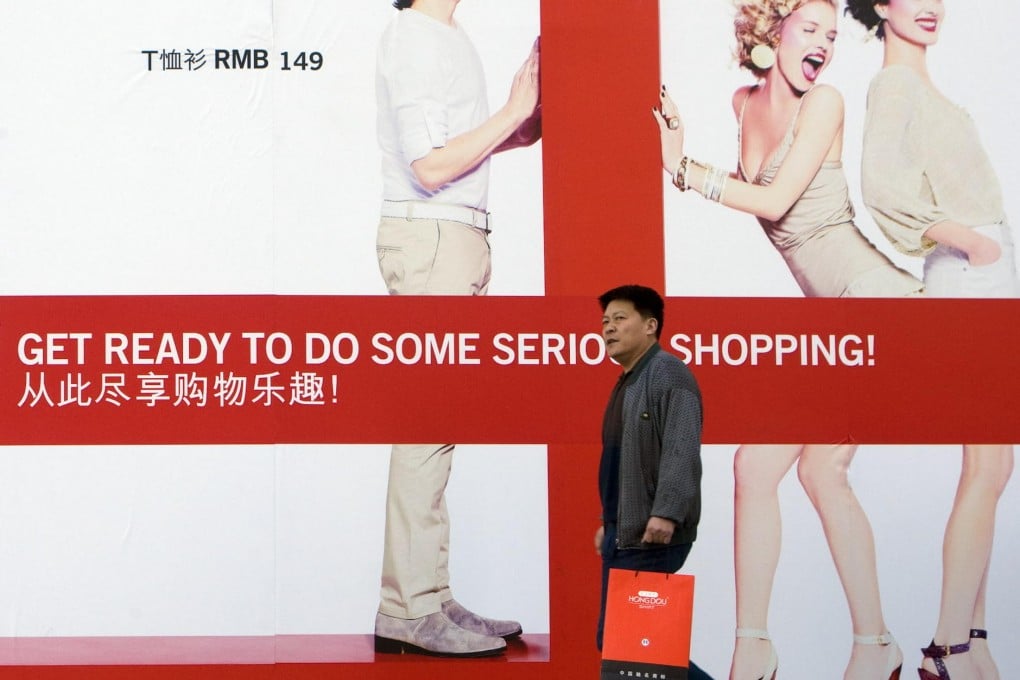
(705, 169)
(715, 182)
(680, 174)
(722, 186)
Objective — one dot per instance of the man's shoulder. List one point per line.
(669, 370)
(410, 34)
(664, 360)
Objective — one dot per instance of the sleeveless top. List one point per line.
(817, 238)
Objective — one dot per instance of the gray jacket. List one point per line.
(660, 458)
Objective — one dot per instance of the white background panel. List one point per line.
(119, 180)
(248, 540)
(136, 541)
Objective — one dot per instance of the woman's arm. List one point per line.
(893, 173)
(979, 248)
(817, 128)
(820, 121)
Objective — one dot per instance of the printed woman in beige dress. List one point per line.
(931, 188)
(789, 175)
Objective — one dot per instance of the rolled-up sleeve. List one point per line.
(893, 163)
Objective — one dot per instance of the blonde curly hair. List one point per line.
(758, 22)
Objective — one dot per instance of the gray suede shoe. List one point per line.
(468, 620)
(435, 635)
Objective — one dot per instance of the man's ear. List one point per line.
(652, 325)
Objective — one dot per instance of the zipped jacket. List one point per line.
(660, 456)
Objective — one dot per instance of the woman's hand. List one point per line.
(984, 251)
(671, 131)
(979, 249)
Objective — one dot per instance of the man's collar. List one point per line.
(652, 350)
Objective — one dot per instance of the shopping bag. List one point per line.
(648, 625)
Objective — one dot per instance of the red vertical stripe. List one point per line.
(603, 202)
(603, 228)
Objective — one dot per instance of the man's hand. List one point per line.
(526, 96)
(658, 530)
(524, 91)
(600, 533)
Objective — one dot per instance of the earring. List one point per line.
(763, 56)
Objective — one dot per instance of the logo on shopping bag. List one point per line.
(648, 599)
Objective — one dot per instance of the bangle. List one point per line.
(705, 169)
(722, 186)
(715, 182)
(680, 174)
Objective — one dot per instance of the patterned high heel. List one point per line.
(772, 666)
(979, 633)
(894, 665)
(936, 653)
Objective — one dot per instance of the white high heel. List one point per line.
(894, 664)
(772, 666)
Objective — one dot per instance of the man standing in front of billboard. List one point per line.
(436, 137)
(651, 430)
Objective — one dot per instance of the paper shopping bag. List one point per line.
(648, 625)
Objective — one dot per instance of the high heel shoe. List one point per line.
(894, 664)
(772, 666)
(936, 653)
(979, 633)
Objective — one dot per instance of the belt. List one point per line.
(421, 210)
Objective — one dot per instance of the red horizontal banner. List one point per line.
(267, 369)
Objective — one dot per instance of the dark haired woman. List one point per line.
(931, 188)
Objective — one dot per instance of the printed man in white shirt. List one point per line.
(436, 137)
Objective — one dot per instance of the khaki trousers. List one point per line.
(423, 257)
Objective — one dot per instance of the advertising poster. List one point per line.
(205, 360)
(703, 76)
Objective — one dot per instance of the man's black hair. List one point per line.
(402, 4)
(647, 302)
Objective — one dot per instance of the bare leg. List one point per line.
(823, 472)
(757, 530)
(967, 548)
(987, 670)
